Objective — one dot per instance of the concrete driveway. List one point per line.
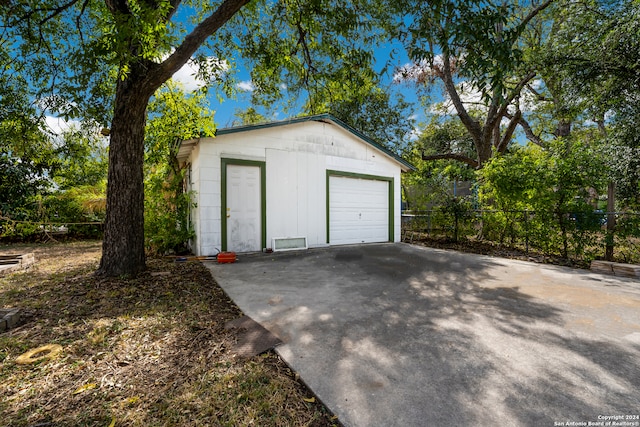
(401, 335)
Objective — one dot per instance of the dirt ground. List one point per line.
(493, 249)
(146, 351)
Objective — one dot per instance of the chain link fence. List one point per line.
(579, 236)
(34, 231)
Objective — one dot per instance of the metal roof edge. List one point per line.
(294, 120)
(318, 118)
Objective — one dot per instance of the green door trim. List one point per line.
(224, 162)
(342, 174)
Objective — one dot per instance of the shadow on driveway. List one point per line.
(394, 334)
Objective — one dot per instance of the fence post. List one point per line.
(526, 231)
(455, 225)
(611, 221)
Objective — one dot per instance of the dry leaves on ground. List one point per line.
(151, 350)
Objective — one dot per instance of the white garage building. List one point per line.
(305, 182)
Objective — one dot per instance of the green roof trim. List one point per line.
(318, 118)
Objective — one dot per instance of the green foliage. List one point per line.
(53, 180)
(80, 158)
(432, 180)
(18, 119)
(174, 116)
(595, 48)
(78, 204)
(594, 51)
(319, 49)
(447, 136)
(20, 182)
(249, 117)
(482, 35)
(425, 186)
(456, 211)
(624, 165)
(557, 186)
(475, 45)
(167, 209)
(363, 105)
(78, 212)
(19, 231)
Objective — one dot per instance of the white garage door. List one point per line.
(358, 210)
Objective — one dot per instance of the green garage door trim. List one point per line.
(263, 195)
(390, 180)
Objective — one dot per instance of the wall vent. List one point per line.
(288, 243)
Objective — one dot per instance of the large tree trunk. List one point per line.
(485, 152)
(123, 245)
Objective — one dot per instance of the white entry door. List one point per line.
(244, 208)
(358, 210)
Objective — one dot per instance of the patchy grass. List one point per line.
(149, 351)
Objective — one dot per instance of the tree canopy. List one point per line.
(479, 45)
(550, 71)
(105, 60)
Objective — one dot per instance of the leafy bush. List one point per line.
(174, 116)
(457, 211)
(14, 231)
(166, 224)
(79, 212)
(553, 184)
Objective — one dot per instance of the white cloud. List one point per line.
(187, 77)
(470, 97)
(58, 125)
(190, 76)
(246, 86)
(414, 134)
(56, 104)
(528, 100)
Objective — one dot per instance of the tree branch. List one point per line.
(117, 6)
(193, 41)
(515, 93)
(473, 126)
(537, 94)
(79, 17)
(529, 133)
(51, 12)
(493, 118)
(508, 133)
(452, 156)
(601, 126)
(532, 15)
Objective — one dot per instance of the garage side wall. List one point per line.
(297, 158)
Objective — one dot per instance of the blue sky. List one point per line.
(227, 107)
